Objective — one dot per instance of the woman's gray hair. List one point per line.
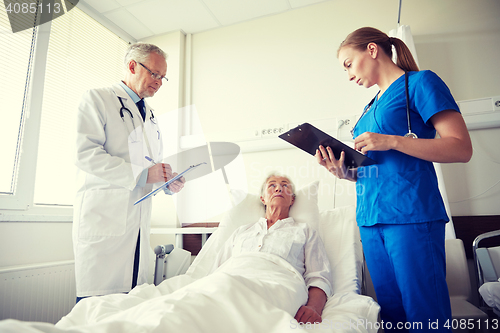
(140, 52)
(277, 174)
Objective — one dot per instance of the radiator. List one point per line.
(43, 292)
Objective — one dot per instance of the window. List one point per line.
(73, 53)
(16, 52)
(82, 54)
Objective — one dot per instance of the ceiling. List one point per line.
(135, 20)
(144, 18)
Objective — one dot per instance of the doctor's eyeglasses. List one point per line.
(153, 75)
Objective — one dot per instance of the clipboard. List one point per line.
(164, 186)
(309, 138)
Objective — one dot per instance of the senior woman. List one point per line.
(295, 242)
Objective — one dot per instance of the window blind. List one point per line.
(16, 53)
(82, 55)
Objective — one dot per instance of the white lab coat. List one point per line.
(110, 158)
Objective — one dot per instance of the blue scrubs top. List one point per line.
(402, 189)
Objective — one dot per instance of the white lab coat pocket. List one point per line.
(154, 139)
(137, 155)
(104, 213)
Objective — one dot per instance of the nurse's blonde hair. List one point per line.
(360, 38)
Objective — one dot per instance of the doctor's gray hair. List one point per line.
(140, 52)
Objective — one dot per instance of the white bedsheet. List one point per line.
(235, 296)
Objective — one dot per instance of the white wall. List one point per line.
(275, 69)
(283, 69)
(170, 96)
(468, 62)
(24, 243)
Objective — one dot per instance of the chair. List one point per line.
(487, 264)
(178, 262)
(459, 286)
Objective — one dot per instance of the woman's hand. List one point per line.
(453, 144)
(373, 141)
(312, 310)
(326, 158)
(307, 314)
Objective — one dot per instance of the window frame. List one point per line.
(22, 198)
(19, 206)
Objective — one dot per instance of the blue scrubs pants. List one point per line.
(407, 264)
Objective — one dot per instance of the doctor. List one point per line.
(118, 142)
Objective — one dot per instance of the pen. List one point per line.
(150, 159)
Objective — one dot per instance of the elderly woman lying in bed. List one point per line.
(297, 243)
(267, 275)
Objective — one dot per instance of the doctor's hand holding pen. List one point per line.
(162, 172)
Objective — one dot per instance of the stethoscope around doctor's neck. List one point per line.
(410, 134)
(124, 109)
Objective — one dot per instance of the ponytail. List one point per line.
(360, 38)
(404, 58)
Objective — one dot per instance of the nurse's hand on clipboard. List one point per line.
(162, 172)
(326, 158)
(337, 157)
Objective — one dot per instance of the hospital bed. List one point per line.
(178, 305)
(487, 264)
(347, 310)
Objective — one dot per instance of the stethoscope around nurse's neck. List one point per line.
(410, 134)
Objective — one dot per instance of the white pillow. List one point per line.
(490, 292)
(304, 210)
(340, 235)
(249, 210)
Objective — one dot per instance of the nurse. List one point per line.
(118, 142)
(400, 211)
